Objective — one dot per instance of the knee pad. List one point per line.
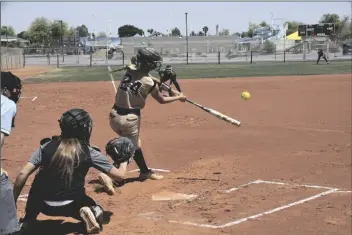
(98, 212)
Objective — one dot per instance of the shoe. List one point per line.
(92, 226)
(107, 183)
(150, 175)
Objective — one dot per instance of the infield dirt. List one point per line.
(294, 129)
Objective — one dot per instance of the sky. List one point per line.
(163, 16)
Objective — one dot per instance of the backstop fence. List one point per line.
(12, 58)
(201, 49)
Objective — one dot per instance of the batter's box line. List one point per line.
(257, 215)
(259, 181)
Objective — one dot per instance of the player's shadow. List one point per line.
(61, 227)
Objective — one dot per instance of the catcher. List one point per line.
(125, 115)
(63, 163)
(168, 77)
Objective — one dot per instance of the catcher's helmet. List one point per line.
(149, 57)
(13, 84)
(76, 123)
(120, 149)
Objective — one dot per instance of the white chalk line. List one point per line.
(257, 215)
(112, 79)
(241, 186)
(259, 181)
(33, 98)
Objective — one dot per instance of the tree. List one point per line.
(205, 30)
(150, 31)
(236, 34)
(192, 33)
(292, 26)
(58, 30)
(102, 34)
(251, 28)
(200, 33)
(244, 34)
(23, 35)
(346, 29)
(176, 32)
(129, 31)
(263, 24)
(40, 31)
(82, 31)
(8, 30)
(269, 46)
(224, 32)
(335, 19)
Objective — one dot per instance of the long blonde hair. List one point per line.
(66, 158)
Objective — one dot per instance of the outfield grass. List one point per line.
(183, 71)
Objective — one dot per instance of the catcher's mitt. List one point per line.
(121, 150)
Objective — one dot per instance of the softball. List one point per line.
(246, 95)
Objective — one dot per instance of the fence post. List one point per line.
(90, 60)
(24, 59)
(251, 56)
(123, 58)
(48, 55)
(218, 57)
(284, 56)
(58, 61)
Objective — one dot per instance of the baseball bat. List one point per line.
(206, 109)
(216, 113)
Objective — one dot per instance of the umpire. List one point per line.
(322, 54)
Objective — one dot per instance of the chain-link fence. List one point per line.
(12, 58)
(201, 49)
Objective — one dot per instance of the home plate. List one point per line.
(171, 196)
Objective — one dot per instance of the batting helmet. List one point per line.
(150, 58)
(120, 149)
(76, 123)
(13, 84)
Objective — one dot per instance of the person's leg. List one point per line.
(326, 60)
(129, 126)
(318, 59)
(84, 209)
(34, 207)
(8, 213)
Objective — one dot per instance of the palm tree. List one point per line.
(150, 31)
(205, 30)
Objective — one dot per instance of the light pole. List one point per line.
(107, 41)
(7, 39)
(186, 37)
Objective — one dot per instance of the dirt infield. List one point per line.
(32, 71)
(295, 130)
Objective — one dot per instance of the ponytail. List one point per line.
(66, 158)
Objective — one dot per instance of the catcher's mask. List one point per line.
(12, 84)
(76, 123)
(150, 58)
(120, 149)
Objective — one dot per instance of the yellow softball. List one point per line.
(246, 95)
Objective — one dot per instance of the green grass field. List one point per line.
(70, 74)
